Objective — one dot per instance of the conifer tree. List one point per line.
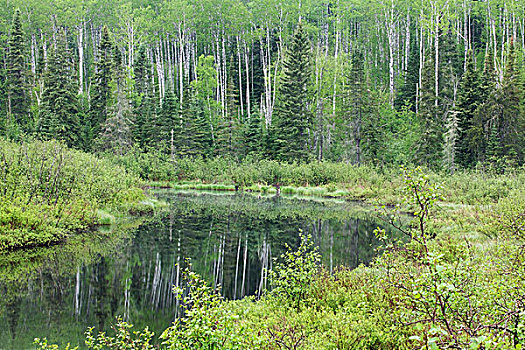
(481, 129)
(290, 129)
(17, 88)
(116, 135)
(511, 122)
(468, 100)
(60, 105)
(3, 94)
(253, 135)
(355, 107)
(428, 151)
(101, 87)
(407, 96)
(144, 126)
(168, 120)
(195, 136)
(228, 129)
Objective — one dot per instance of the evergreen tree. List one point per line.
(428, 151)
(407, 96)
(253, 135)
(481, 131)
(116, 135)
(227, 140)
(60, 105)
(511, 122)
(144, 128)
(195, 135)
(354, 107)
(101, 88)
(3, 94)
(17, 88)
(168, 120)
(451, 136)
(290, 129)
(468, 100)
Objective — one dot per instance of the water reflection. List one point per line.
(232, 241)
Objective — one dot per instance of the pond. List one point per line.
(230, 239)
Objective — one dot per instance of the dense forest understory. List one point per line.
(352, 99)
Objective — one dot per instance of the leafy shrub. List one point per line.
(49, 191)
(291, 278)
(206, 323)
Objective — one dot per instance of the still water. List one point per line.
(230, 239)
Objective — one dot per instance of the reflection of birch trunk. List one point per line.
(177, 277)
(265, 252)
(355, 241)
(244, 266)
(77, 292)
(237, 268)
(126, 295)
(331, 249)
(156, 280)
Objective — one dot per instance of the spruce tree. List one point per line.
(511, 122)
(168, 120)
(143, 127)
(116, 135)
(3, 94)
(468, 100)
(195, 135)
(481, 131)
(407, 96)
(354, 108)
(60, 106)
(253, 135)
(17, 88)
(101, 87)
(227, 135)
(428, 151)
(290, 129)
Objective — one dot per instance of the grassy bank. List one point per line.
(325, 179)
(49, 192)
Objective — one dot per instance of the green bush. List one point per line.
(49, 191)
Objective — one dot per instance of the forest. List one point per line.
(436, 83)
(376, 147)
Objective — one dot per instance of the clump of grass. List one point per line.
(105, 218)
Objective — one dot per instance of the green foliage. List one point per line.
(17, 88)
(291, 278)
(123, 339)
(101, 89)
(290, 129)
(60, 107)
(49, 191)
(445, 291)
(206, 323)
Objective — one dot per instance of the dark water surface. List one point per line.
(231, 239)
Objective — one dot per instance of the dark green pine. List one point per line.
(168, 119)
(3, 94)
(253, 135)
(101, 86)
(480, 130)
(429, 147)
(228, 131)
(60, 106)
(290, 129)
(195, 135)
(143, 102)
(17, 88)
(511, 123)
(407, 96)
(468, 100)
